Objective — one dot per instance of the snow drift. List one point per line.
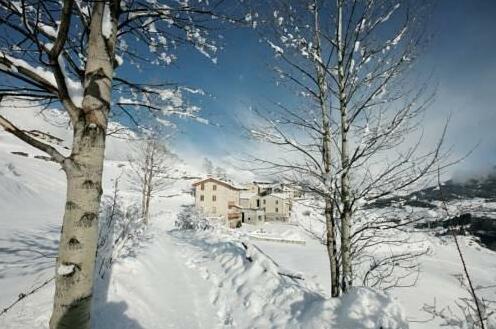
(252, 291)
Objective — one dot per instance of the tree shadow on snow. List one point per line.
(109, 314)
(112, 315)
(26, 253)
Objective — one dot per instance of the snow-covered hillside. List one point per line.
(438, 282)
(168, 278)
(218, 278)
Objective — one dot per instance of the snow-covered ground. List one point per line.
(437, 285)
(217, 278)
(172, 278)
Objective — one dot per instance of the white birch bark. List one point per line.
(84, 168)
(346, 273)
(323, 96)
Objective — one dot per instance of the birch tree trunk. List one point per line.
(147, 205)
(331, 246)
(84, 168)
(147, 173)
(143, 201)
(148, 193)
(345, 179)
(146, 183)
(326, 157)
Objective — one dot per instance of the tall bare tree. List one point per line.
(65, 53)
(306, 131)
(379, 106)
(152, 170)
(347, 139)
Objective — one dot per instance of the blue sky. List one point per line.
(240, 79)
(461, 57)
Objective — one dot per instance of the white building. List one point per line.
(255, 204)
(276, 206)
(217, 198)
(252, 216)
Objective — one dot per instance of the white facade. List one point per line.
(277, 206)
(254, 205)
(217, 198)
(245, 198)
(252, 216)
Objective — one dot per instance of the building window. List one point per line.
(264, 201)
(214, 198)
(277, 209)
(277, 201)
(202, 198)
(202, 187)
(214, 187)
(259, 217)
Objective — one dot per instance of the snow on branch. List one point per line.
(278, 50)
(55, 155)
(165, 26)
(162, 102)
(46, 54)
(107, 23)
(38, 76)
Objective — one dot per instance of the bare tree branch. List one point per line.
(55, 155)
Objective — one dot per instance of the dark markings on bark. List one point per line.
(77, 315)
(94, 132)
(74, 243)
(75, 166)
(93, 88)
(89, 184)
(70, 205)
(87, 219)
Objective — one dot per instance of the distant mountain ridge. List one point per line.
(479, 221)
(452, 190)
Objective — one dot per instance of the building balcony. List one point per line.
(232, 204)
(233, 215)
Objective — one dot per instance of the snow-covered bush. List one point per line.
(192, 219)
(120, 230)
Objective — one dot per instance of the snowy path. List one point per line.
(158, 290)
